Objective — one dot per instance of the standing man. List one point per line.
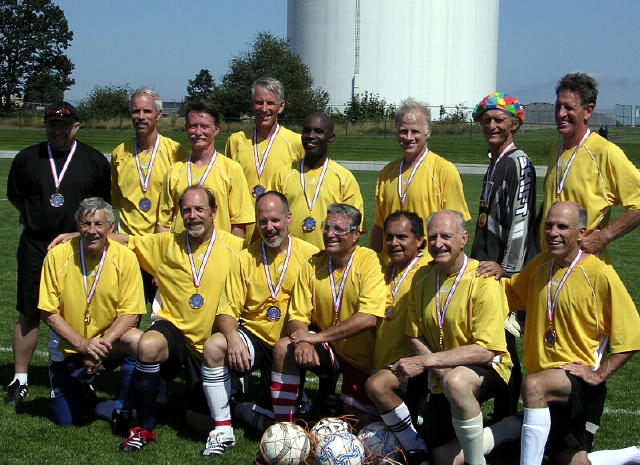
(92, 305)
(190, 268)
(589, 170)
(457, 333)
(504, 239)
(421, 181)
(337, 301)
(315, 182)
(267, 148)
(46, 184)
(206, 167)
(251, 316)
(577, 307)
(138, 166)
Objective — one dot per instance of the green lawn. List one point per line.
(29, 436)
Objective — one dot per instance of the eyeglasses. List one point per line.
(338, 230)
(58, 112)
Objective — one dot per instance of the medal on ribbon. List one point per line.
(337, 294)
(309, 223)
(274, 313)
(145, 203)
(259, 189)
(57, 199)
(550, 336)
(403, 195)
(196, 301)
(90, 292)
(442, 310)
(560, 181)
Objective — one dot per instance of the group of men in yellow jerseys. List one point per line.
(418, 316)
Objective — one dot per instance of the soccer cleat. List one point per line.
(218, 443)
(16, 392)
(137, 439)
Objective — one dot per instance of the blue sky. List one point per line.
(163, 43)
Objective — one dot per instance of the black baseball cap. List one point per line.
(61, 111)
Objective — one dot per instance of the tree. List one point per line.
(202, 87)
(269, 55)
(33, 37)
(368, 107)
(109, 100)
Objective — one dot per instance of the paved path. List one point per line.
(465, 168)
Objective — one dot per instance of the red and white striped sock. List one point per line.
(284, 393)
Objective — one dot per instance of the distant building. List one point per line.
(540, 113)
(171, 109)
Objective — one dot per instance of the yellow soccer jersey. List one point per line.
(118, 292)
(229, 187)
(247, 296)
(475, 315)
(339, 186)
(364, 292)
(165, 257)
(593, 309)
(601, 176)
(126, 190)
(436, 185)
(392, 342)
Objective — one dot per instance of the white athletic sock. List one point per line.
(535, 431)
(22, 377)
(216, 383)
(507, 429)
(469, 433)
(399, 421)
(624, 456)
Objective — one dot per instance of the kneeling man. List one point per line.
(91, 297)
(576, 307)
(456, 326)
(251, 316)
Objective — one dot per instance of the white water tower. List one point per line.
(443, 52)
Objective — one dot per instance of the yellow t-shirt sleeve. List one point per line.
(149, 250)
(621, 320)
(49, 297)
(132, 290)
(490, 310)
(623, 179)
(235, 291)
(453, 192)
(240, 204)
(373, 291)
(301, 304)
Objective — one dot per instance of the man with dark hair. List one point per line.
(337, 301)
(46, 184)
(251, 318)
(92, 305)
(577, 310)
(269, 146)
(206, 167)
(590, 170)
(315, 182)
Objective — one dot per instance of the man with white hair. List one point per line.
(421, 181)
(269, 146)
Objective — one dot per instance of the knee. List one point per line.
(215, 349)
(457, 385)
(152, 347)
(280, 350)
(130, 340)
(379, 385)
(532, 388)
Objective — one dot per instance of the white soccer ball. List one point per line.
(285, 444)
(379, 442)
(327, 426)
(340, 449)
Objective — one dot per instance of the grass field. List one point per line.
(29, 436)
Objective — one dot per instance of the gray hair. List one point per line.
(462, 224)
(347, 210)
(270, 85)
(413, 109)
(157, 101)
(91, 206)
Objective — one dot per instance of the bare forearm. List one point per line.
(63, 329)
(295, 325)
(161, 229)
(351, 326)
(472, 354)
(121, 325)
(625, 223)
(226, 324)
(239, 230)
(612, 364)
(420, 347)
